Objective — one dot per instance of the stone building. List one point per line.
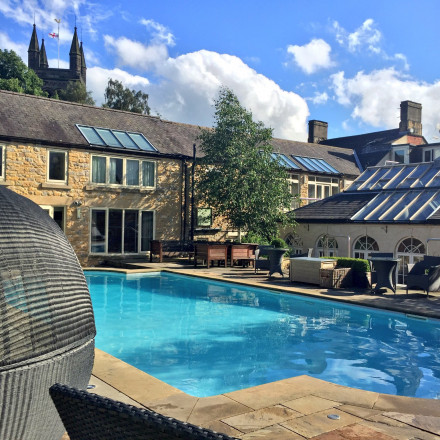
(377, 148)
(114, 180)
(57, 79)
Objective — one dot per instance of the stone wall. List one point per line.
(26, 170)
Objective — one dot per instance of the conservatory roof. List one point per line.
(405, 193)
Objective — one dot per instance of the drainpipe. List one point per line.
(193, 209)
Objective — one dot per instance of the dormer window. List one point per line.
(400, 154)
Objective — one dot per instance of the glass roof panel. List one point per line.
(316, 164)
(361, 179)
(419, 170)
(328, 166)
(426, 178)
(141, 141)
(428, 209)
(284, 161)
(409, 210)
(108, 137)
(125, 139)
(390, 174)
(435, 181)
(370, 207)
(375, 178)
(392, 199)
(394, 183)
(91, 136)
(400, 207)
(305, 163)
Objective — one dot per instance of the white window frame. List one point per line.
(405, 149)
(50, 209)
(294, 181)
(66, 162)
(124, 172)
(316, 181)
(2, 162)
(139, 244)
(327, 246)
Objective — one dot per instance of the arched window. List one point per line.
(364, 246)
(327, 246)
(295, 243)
(409, 251)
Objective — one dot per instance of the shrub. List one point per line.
(279, 243)
(357, 264)
(252, 237)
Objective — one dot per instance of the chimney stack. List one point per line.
(317, 131)
(410, 117)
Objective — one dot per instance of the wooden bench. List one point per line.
(159, 247)
(210, 252)
(242, 252)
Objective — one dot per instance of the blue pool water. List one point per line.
(208, 338)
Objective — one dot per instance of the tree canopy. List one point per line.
(17, 77)
(119, 97)
(76, 92)
(237, 175)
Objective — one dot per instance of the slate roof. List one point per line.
(370, 148)
(52, 122)
(335, 209)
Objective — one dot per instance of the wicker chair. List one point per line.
(46, 320)
(88, 416)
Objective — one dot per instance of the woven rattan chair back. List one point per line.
(46, 319)
(88, 416)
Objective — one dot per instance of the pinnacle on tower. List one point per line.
(43, 58)
(75, 54)
(34, 51)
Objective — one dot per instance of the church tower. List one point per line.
(54, 79)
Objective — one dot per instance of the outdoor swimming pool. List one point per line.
(206, 337)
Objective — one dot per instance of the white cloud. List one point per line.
(19, 49)
(161, 34)
(375, 97)
(319, 98)
(191, 82)
(135, 54)
(97, 79)
(312, 56)
(366, 36)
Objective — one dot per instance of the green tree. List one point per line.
(17, 77)
(119, 97)
(76, 92)
(237, 175)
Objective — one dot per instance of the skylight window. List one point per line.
(115, 138)
(284, 161)
(315, 164)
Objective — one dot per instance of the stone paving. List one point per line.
(294, 408)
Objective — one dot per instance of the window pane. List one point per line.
(108, 137)
(399, 156)
(58, 216)
(116, 171)
(147, 230)
(204, 217)
(311, 191)
(132, 172)
(131, 231)
(141, 142)
(57, 165)
(90, 134)
(98, 169)
(115, 231)
(125, 139)
(148, 173)
(97, 233)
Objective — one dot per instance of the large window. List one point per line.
(2, 162)
(120, 171)
(295, 190)
(364, 246)
(321, 187)
(121, 231)
(327, 246)
(57, 166)
(409, 251)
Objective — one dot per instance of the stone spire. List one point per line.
(75, 54)
(34, 51)
(43, 58)
(83, 63)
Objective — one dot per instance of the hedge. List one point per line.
(357, 264)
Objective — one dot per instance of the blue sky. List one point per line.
(349, 63)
